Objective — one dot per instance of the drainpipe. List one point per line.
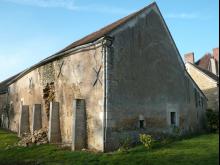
(106, 45)
(7, 107)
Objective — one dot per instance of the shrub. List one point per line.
(146, 140)
(212, 120)
(125, 143)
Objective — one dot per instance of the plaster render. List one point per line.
(76, 80)
(145, 77)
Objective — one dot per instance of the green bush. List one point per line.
(125, 143)
(146, 140)
(212, 120)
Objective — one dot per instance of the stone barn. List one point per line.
(125, 79)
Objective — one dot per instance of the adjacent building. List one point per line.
(209, 62)
(205, 73)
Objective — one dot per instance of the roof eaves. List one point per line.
(175, 46)
(206, 72)
(107, 29)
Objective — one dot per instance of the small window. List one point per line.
(141, 123)
(173, 118)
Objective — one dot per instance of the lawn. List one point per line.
(198, 150)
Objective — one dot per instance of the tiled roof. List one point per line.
(208, 73)
(105, 31)
(204, 61)
(4, 84)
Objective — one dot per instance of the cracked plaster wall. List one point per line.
(73, 77)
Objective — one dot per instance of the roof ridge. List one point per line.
(105, 30)
(205, 55)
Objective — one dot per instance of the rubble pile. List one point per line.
(38, 137)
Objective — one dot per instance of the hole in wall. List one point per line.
(48, 96)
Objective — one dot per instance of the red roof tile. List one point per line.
(204, 61)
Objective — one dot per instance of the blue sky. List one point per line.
(31, 30)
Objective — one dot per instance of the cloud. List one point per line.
(68, 4)
(71, 5)
(103, 9)
(183, 16)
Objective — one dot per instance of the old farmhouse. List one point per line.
(125, 79)
(205, 73)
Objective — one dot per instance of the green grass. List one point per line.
(201, 150)
(7, 138)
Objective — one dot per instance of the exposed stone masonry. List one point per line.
(48, 96)
(47, 74)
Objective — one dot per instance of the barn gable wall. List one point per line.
(146, 81)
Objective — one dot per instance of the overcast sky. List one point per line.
(31, 30)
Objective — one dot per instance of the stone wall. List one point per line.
(3, 100)
(77, 80)
(28, 90)
(147, 81)
(78, 76)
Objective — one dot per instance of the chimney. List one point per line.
(213, 66)
(216, 57)
(189, 57)
(216, 54)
